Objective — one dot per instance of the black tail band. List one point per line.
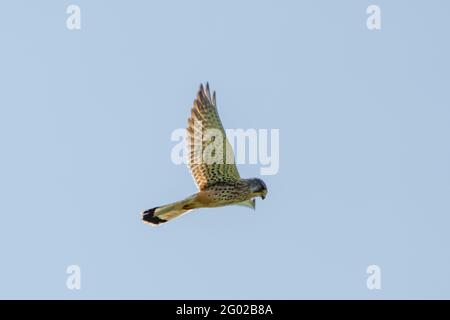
(149, 217)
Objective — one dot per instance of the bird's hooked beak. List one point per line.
(263, 195)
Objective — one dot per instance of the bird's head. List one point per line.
(258, 188)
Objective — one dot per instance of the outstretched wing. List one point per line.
(211, 157)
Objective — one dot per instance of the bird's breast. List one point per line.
(219, 195)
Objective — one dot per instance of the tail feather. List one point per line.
(149, 216)
(158, 215)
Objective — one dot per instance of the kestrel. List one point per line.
(211, 162)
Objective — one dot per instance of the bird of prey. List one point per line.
(211, 162)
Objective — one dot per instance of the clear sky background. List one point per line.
(85, 124)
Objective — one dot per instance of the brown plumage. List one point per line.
(211, 162)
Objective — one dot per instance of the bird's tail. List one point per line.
(158, 215)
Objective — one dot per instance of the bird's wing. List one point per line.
(211, 157)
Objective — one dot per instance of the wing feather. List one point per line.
(204, 117)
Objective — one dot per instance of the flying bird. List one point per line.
(212, 165)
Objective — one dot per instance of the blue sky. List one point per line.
(85, 124)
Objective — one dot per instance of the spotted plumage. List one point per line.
(211, 162)
(205, 119)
